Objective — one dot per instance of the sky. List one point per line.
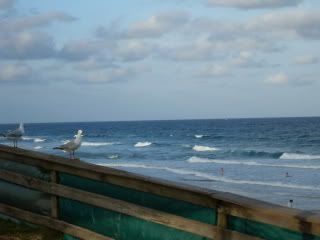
(76, 60)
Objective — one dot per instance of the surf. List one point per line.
(199, 148)
(142, 144)
(211, 177)
(249, 163)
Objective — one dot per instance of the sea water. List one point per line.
(272, 159)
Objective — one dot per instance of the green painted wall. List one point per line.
(266, 231)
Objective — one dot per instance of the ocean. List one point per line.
(271, 159)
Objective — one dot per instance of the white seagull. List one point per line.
(72, 145)
(15, 135)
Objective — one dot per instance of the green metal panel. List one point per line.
(116, 225)
(266, 231)
(23, 197)
(177, 207)
(25, 169)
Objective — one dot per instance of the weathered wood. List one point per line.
(222, 222)
(293, 219)
(54, 199)
(130, 209)
(110, 203)
(114, 176)
(58, 225)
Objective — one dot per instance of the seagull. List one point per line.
(15, 135)
(72, 145)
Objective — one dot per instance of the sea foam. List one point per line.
(212, 177)
(37, 140)
(143, 144)
(249, 163)
(199, 148)
(96, 144)
(200, 135)
(297, 156)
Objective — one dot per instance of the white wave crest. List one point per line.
(27, 138)
(143, 144)
(249, 163)
(199, 148)
(115, 156)
(198, 136)
(37, 140)
(96, 144)
(37, 147)
(211, 177)
(297, 156)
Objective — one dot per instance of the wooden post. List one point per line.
(54, 199)
(222, 223)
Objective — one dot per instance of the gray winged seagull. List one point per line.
(72, 145)
(15, 135)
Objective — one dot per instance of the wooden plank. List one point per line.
(110, 203)
(58, 225)
(123, 207)
(259, 211)
(54, 199)
(293, 219)
(114, 176)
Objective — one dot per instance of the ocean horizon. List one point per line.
(270, 159)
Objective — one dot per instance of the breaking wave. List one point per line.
(96, 144)
(34, 139)
(115, 156)
(211, 177)
(298, 156)
(37, 147)
(200, 135)
(37, 140)
(143, 144)
(249, 163)
(199, 148)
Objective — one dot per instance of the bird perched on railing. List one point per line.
(14, 135)
(73, 145)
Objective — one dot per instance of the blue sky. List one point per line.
(162, 59)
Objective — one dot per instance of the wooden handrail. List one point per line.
(235, 205)
(49, 222)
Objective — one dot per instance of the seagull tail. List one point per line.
(60, 148)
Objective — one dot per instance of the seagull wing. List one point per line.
(67, 146)
(14, 133)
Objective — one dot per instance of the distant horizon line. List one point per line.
(154, 120)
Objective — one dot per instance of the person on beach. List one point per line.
(221, 171)
(287, 174)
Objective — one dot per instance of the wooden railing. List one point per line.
(226, 204)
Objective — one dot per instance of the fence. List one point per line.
(86, 201)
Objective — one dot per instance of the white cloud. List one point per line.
(35, 21)
(306, 59)
(26, 45)
(253, 4)
(303, 23)
(16, 72)
(158, 25)
(132, 50)
(278, 79)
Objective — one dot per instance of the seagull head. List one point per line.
(79, 134)
(21, 127)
